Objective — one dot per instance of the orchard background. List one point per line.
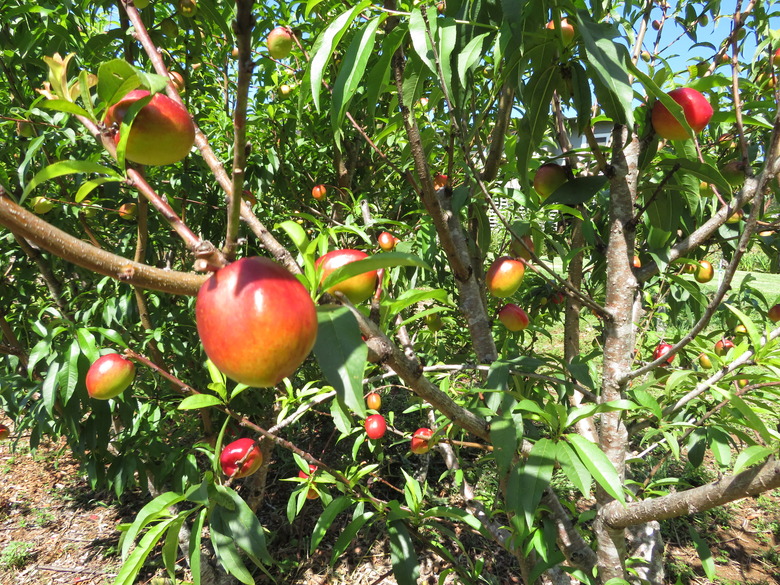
(561, 444)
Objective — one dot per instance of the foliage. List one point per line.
(380, 102)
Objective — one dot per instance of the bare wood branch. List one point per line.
(47, 237)
(751, 482)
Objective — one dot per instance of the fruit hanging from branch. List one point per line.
(256, 321)
(319, 192)
(280, 42)
(660, 351)
(312, 493)
(704, 272)
(723, 346)
(696, 108)
(567, 30)
(504, 276)
(513, 317)
(162, 132)
(374, 401)
(387, 241)
(357, 288)
(109, 376)
(548, 178)
(375, 426)
(241, 458)
(421, 441)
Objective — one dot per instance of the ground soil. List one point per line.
(55, 530)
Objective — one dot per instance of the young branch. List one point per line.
(242, 26)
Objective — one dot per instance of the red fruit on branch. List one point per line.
(256, 321)
(162, 132)
(548, 178)
(241, 458)
(5, 432)
(109, 376)
(280, 42)
(723, 346)
(375, 426)
(374, 401)
(661, 350)
(513, 317)
(567, 31)
(421, 441)
(704, 272)
(519, 250)
(387, 241)
(504, 276)
(312, 493)
(357, 288)
(696, 108)
(319, 192)
(774, 313)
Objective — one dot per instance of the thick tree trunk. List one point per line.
(619, 342)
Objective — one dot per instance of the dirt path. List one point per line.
(55, 530)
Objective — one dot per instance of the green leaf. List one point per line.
(704, 552)
(88, 186)
(470, 56)
(116, 78)
(341, 354)
(576, 191)
(49, 388)
(353, 66)
(447, 36)
(414, 81)
(244, 528)
(503, 437)
(225, 547)
(752, 330)
(701, 170)
(170, 549)
(644, 398)
(375, 262)
(199, 401)
(133, 564)
(195, 539)
(607, 61)
(65, 106)
(152, 511)
(376, 82)
(348, 534)
(528, 481)
(326, 519)
(72, 380)
(420, 40)
(720, 445)
(750, 456)
(403, 557)
(571, 465)
(598, 465)
(66, 167)
(751, 418)
(325, 44)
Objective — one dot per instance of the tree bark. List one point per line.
(622, 288)
(750, 482)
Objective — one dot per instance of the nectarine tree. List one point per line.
(466, 128)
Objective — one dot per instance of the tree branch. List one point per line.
(47, 237)
(750, 482)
